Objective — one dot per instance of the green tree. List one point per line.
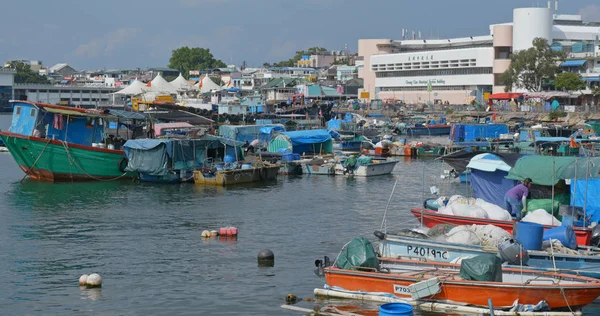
(569, 81)
(596, 94)
(185, 59)
(26, 75)
(530, 67)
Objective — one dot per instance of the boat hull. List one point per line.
(369, 170)
(327, 169)
(238, 176)
(578, 293)
(52, 160)
(407, 247)
(431, 218)
(425, 131)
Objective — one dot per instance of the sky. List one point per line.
(110, 34)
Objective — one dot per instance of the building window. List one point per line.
(424, 88)
(435, 72)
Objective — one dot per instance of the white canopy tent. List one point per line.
(160, 85)
(137, 87)
(181, 84)
(207, 85)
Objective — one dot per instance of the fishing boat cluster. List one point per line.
(468, 253)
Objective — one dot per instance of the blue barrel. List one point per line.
(530, 235)
(564, 234)
(396, 309)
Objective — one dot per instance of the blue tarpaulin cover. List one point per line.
(308, 136)
(470, 132)
(579, 190)
(149, 156)
(491, 186)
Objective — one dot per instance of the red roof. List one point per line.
(505, 96)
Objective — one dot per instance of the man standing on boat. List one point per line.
(516, 198)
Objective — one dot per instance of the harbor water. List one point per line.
(144, 240)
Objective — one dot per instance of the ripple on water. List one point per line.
(145, 240)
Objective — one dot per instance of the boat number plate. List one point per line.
(399, 289)
(426, 252)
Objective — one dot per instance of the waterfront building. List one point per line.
(7, 77)
(458, 70)
(83, 95)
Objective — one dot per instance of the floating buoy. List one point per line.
(214, 233)
(291, 299)
(205, 234)
(83, 280)
(94, 280)
(228, 231)
(266, 258)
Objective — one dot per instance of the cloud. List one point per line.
(106, 44)
(590, 13)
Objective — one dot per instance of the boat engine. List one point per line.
(513, 252)
(595, 242)
(320, 264)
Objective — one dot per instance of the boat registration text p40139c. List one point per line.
(427, 252)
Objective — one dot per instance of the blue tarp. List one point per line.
(147, 144)
(573, 63)
(308, 136)
(470, 132)
(148, 156)
(592, 190)
(491, 186)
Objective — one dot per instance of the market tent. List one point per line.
(160, 85)
(207, 85)
(137, 87)
(181, 84)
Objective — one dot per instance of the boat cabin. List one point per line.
(71, 125)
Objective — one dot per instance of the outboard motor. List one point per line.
(513, 252)
(595, 236)
(320, 264)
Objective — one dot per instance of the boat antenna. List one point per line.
(384, 222)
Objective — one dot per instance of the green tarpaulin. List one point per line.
(544, 170)
(358, 253)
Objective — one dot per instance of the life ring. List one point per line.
(123, 164)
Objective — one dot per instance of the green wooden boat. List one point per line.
(67, 149)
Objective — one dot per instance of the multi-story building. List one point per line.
(6, 88)
(457, 70)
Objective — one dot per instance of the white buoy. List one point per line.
(94, 280)
(83, 279)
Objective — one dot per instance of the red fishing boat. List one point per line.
(431, 218)
(560, 291)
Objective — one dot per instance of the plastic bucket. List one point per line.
(530, 235)
(564, 234)
(396, 309)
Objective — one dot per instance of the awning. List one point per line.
(128, 114)
(588, 79)
(573, 63)
(505, 96)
